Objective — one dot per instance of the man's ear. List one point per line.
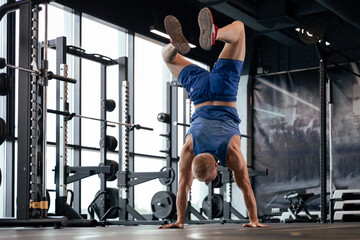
(216, 164)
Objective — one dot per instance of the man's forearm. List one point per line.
(181, 204)
(250, 204)
(249, 197)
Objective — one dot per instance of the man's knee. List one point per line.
(239, 25)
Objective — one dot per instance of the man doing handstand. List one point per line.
(214, 134)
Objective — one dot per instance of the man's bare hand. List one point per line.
(255, 224)
(172, 225)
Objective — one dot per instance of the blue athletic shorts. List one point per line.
(221, 84)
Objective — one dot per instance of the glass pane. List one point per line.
(59, 24)
(151, 76)
(90, 103)
(145, 191)
(112, 45)
(102, 39)
(90, 185)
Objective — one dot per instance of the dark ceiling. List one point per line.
(273, 20)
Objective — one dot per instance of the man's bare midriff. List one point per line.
(216, 103)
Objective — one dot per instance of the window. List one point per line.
(110, 43)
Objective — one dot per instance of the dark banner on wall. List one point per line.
(286, 130)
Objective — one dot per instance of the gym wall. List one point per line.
(286, 130)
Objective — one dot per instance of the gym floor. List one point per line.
(208, 231)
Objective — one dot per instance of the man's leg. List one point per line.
(173, 60)
(170, 53)
(233, 35)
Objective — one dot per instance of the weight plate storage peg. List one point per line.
(217, 206)
(163, 205)
(170, 180)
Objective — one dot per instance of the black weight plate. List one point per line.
(110, 105)
(217, 183)
(111, 200)
(114, 166)
(2, 130)
(3, 80)
(2, 63)
(40, 131)
(217, 206)
(110, 143)
(163, 205)
(167, 181)
(5, 84)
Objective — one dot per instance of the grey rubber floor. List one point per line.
(208, 231)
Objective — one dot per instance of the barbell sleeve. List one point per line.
(245, 136)
(137, 126)
(61, 78)
(181, 124)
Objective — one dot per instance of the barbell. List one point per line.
(69, 116)
(39, 73)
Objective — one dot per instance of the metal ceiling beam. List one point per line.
(252, 23)
(347, 10)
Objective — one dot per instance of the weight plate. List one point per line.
(40, 131)
(114, 166)
(110, 143)
(217, 206)
(163, 205)
(111, 200)
(217, 183)
(167, 181)
(5, 84)
(110, 105)
(2, 63)
(2, 130)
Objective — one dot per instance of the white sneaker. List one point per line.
(208, 30)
